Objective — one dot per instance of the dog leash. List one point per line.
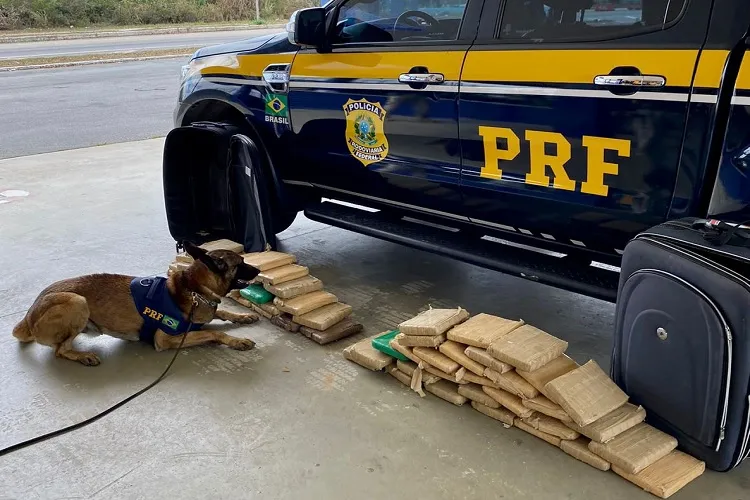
(91, 420)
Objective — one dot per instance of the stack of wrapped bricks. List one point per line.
(519, 375)
(294, 300)
(286, 294)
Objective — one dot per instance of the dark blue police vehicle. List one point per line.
(540, 138)
(564, 125)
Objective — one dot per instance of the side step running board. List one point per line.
(555, 271)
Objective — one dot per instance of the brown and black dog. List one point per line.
(113, 304)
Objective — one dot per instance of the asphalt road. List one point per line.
(125, 44)
(67, 108)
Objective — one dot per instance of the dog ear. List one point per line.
(200, 254)
(246, 272)
(193, 250)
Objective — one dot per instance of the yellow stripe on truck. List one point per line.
(576, 66)
(743, 79)
(241, 65)
(376, 65)
(533, 66)
(711, 68)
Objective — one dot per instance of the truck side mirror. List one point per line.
(306, 27)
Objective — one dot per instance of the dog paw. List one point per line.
(241, 344)
(245, 319)
(89, 359)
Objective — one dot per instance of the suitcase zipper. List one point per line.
(727, 333)
(744, 451)
(654, 236)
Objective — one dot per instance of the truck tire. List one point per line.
(198, 188)
(283, 221)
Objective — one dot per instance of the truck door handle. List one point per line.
(647, 81)
(421, 78)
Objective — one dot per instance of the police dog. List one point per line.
(123, 307)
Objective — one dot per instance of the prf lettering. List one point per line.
(543, 164)
(152, 314)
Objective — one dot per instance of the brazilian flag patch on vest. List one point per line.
(170, 322)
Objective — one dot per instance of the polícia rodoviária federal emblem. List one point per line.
(365, 136)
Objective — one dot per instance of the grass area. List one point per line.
(249, 23)
(46, 14)
(109, 56)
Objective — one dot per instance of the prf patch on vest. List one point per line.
(165, 320)
(365, 133)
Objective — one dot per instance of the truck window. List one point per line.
(370, 21)
(580, 20)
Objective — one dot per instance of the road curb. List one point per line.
(44, 37)
(90, 63)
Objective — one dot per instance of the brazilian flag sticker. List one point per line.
(276, 109)
(170, 322)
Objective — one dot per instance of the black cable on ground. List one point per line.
(91, 420)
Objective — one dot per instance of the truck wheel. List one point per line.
(283, 220)
(298, 199)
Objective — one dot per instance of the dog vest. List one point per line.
(158, 309)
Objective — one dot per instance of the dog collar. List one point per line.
(198, 297)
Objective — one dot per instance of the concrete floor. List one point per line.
(290, 419)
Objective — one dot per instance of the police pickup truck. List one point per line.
(533, 137)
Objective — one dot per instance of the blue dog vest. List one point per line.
(158, 309)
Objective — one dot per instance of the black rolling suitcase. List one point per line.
(214, 187)
(682, 336)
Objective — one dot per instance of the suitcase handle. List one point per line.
(722, 233)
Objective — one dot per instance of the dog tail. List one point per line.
(22, 331)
